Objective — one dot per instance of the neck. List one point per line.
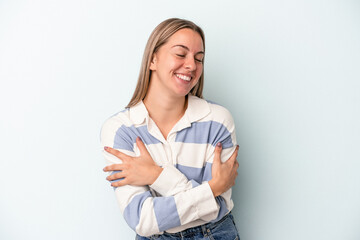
(164, 109)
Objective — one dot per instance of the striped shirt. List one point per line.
(180, 197)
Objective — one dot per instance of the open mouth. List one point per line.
(183, 77)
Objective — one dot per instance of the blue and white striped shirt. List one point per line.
(180, 197)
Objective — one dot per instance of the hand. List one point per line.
(223, 174)
(138, 171)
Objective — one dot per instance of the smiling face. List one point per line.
(177, 65)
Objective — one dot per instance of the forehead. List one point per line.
(188, 38)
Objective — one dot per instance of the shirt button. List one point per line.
(208, 230)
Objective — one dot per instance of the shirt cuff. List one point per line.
(205, 201)
(170, 182)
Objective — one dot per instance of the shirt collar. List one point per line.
(138, 113)
(197, 108)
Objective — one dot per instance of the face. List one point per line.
(178, 64)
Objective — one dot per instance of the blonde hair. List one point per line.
(159, 37)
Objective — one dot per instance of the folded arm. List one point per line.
(149, 215)
(182, 201)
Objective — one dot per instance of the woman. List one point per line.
(164, 150)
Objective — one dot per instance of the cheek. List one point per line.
(175, 65)
(199, 70)
(167, 64)
(171, 63)
(198, 75)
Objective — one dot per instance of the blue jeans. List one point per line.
(224, 229)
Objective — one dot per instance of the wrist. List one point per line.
(156, 173)
(213, 188)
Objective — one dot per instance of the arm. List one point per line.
(138, 173)
(172, 180)
(142, 171)
(149, 215)
(218, 127)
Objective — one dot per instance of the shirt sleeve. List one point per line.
(149, 215)
(171, 181)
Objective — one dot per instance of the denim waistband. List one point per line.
(199, 229)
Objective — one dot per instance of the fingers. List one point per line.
(114, 167)
(217, 153)
(120, 183)
(118, 154)
(116, 176)
(236, 165)
(234, 155)
(141, 146)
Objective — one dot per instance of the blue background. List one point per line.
(287, 70)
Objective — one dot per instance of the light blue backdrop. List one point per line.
(287, 70)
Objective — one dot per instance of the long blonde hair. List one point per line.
(159, 37)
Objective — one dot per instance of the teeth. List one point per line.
(183, 77)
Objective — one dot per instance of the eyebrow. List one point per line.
(185, 47)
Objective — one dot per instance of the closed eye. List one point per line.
(182, 56)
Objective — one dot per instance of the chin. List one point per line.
(182, 92)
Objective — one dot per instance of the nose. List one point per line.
(190, 63)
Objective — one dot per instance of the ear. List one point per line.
(153, 63)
